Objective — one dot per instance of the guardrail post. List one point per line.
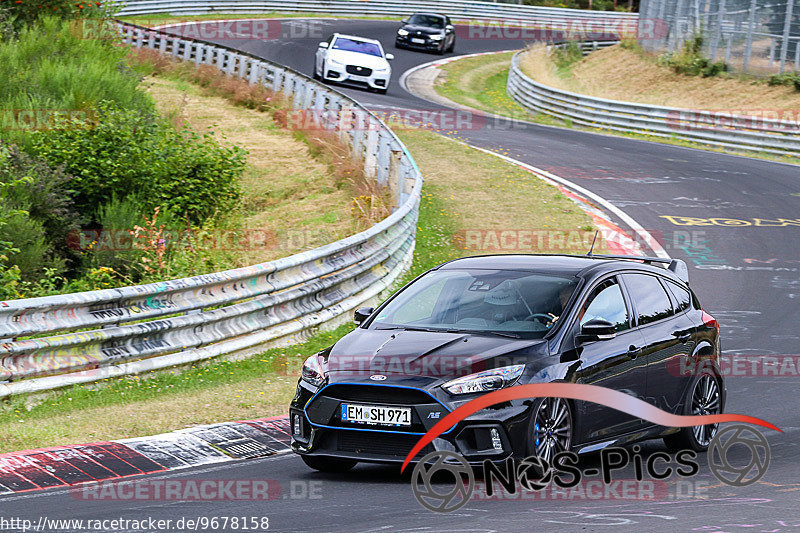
(371, 150)
(162, 44)
(345, 122)
(384, 156)
(176, 45)
(187, 50)
(255, 71)
(394, 181)
(139, 38)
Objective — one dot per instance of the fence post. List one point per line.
(787, 26)
(717, 30)
(751, 27)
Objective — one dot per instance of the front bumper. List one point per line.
(493, 434)
(375, 80)
(407, 41)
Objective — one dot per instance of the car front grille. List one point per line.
(386, 444)
(358, 71)
(384, 395)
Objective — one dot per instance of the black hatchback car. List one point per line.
(479, 324)
(427, 31)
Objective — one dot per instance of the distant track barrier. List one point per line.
(768, 131)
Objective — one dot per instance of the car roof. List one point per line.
(357, 38)
(572, 265)
(429, 14)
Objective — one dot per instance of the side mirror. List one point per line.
(323, 44)
(389, 57)
(449, 27)
(404, 21)
(362, 314)
(597, 329)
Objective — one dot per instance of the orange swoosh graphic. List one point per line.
(574, 391)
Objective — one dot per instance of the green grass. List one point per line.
(49, 68)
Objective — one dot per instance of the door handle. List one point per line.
(634, 351)
(682, 336)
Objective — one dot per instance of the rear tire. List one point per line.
(328, 464)
(703, 397)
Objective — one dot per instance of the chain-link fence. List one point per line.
(749, 35)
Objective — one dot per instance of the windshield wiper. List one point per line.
(500, 334)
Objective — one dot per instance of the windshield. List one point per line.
(525, 304)
(429, 21)
(351, 45)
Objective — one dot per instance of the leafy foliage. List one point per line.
(122, 152)
(691, 62)
(40, 214)
(791, 79)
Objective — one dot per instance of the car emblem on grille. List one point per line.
(377, 377)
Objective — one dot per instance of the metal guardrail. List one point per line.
(731, 129)
(85, 337)
(453, 8)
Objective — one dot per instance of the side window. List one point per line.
(606, 302)
(649, 298)
(682, 296)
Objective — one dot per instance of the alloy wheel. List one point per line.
(552, 429)
(705, 401)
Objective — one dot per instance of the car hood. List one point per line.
(355, 58)
(364, 352)
(422, 29)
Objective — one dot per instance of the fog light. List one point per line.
(496, 442)
(296, 425)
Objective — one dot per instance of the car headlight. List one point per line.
(488, 380)
(402, 32)
(436, 37)
(312, 371)
(386, 69)
(334, 62)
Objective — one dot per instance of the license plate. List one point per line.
(373, 414)
(418, 41)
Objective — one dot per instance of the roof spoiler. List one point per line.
(676, 266)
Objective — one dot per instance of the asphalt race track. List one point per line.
(745, 274)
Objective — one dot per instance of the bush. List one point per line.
(122, 152)
(790, 79)
(690, 61)
(566, 56)
(43, 215)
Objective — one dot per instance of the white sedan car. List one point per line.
(353, 60)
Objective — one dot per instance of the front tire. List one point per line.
(550, 429)
(328, 464)
(703, 398)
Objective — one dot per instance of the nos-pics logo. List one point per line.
(443, 481)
